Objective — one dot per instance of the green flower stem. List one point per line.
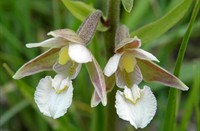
(99, 119)
(170, 119)
(113, 21)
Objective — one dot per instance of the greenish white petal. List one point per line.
(50, 43)
(112, 64)
(144, 55)
(70, 69)
(128, 79)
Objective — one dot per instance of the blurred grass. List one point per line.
(174, 94)
(25, 21)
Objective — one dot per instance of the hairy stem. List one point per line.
(113, 21)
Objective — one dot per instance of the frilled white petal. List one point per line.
(79, 53)
(128, 79)
(144, 55)
(112, 64)
(139, 114)
(70, 69)
(51, 43)
(54, 101)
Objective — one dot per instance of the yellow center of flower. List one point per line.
(62, 90)
(63, 56)
(128, 62)
(132, 100)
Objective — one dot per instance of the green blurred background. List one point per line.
(28, 21)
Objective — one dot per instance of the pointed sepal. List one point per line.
(43, 62)
(87, 29)
(51, 43)
(154, 73)
(67, 34)
(97, 79)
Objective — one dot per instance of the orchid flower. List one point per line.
(131, 65)
(66, 54)
(138, 106)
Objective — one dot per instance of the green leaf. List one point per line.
(128, 4)
(151, 31)
(81, 10)
(13, 111)
(190, 102)
(170, 117)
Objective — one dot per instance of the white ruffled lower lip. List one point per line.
(139, 113)
(54, 101)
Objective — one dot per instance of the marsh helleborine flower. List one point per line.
(66, 54)
(131, 65)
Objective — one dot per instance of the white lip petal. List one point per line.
(49, 101)
(128, 79)
(112, 64)
(51, 43)
(79, 53)
(144, 55)
(140, 113)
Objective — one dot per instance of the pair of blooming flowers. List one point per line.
(130, 65)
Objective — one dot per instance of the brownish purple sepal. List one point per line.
(43, 62)
(154, 73)
(98, 80)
